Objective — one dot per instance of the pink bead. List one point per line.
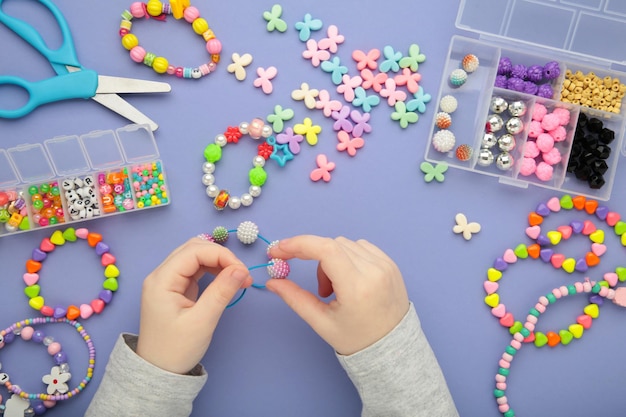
(507, 357)
(528, 167)
(539, 111)
(579, 287)
(255, 128)
(604, 291)
(179, 72)
(515, 344)
(544, 302)
(545, 142)
(137, 10)
(43, 222)
(49, 403)
(531, 150)
(559, 134)
(27, 333)
(123, 32)
(552, 157)
(504, 364)
(501, 385)
(502, 400)
(191, 14)
(530, 327)
(503, 408)
(171, 69)
(54, 348)
(544, 171)
(214, 46)
(563, 115)
(500, 378)
(128, 204)
(534, 129)
(204, 69)
(518, 336)
(137, 54)
(531, 319)
(550, 122)
(587, 286)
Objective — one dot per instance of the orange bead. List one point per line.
(591, 206)
(534, 219)
(73, 313)
(592, 259)
(110, 208)
(534, 250)
(553, 339)
(32, 266)
(579, 202)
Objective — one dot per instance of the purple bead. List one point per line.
(542, 240)
(500, 264)
(602, 212)
(530, 88)
(581, 265)
(60, 358)
(501, 81)
(545, 91)
(519, 71)
(535, 73)
(106, 296)
(596, 299)
(9, 337)
(38, 407)
(39, 255)
(551, 70)
(38, 336)
(101, 248)
(59, 312)
(577, 226)
(546, 254)
(515, 84)
(542, 210)
(504, 66)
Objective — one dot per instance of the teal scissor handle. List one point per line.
(58, 58)
(80, 84)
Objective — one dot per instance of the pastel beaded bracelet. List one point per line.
(179, 9)
(39, 254)
(248, 232)
(257, 175)
(57, 388)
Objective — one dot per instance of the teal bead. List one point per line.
(551, 298)
(571, 290)
(534, 312)
(511, 350)
(498, 393)
(596, 288)
(503, 371)
(509, 413)
(525, 332)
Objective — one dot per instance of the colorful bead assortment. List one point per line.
(80, 196)
(115, 191)
(247, 233)
(13, 211)
(148, 184)
(257, 176)
(590, 90)
(40, 253)
(46, 205)
(179, 9)
(534, 79)
(57, 389)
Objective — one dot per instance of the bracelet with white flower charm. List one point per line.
(257, 176)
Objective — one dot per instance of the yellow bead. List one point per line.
(129, 41)
(200, 26)
(208, 35)
(154, 7)
(160, 64)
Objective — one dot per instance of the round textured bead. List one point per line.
(443, 120)
(458, 77)
(463, 152)
(470, 63)
(444, 140)
(279, 269)
(448, 104)
(220, 234)
(247, 232)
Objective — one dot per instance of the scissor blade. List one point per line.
(125, 109)
(119, 85)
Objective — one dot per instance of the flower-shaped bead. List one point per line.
(232, 134)
(56, 380)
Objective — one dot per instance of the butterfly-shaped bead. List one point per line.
(274, 22)
(403, 116)
(315, 54)
(335, 69)
(306, 94)
(306, 26)
(391, 93)
(333, 39)
(264, 80)
(327, 105)
(239, 64)
(373, 81)
(433, 172)
(348, 144)
(364, 101)
(465, 228)
(366, 60)
(308, 130)
(414, 58)
(323, 170)
(347, 86)
(408, 78)
(391, 60)
(279, 117)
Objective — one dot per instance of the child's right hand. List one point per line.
(370, 296)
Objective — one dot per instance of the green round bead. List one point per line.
(55, 191)
(257, 176)
(213, 152)
(220, 234)
(32, 190)
(509, 413)
(44, 188)
(534, 312)
(596, 288)
(498, 393)
(503, 371)
(551, 298)
(511, 350)
(571, 290)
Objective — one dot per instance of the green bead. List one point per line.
(4, 215)
(604, 284)
(596, 288)
(620, 228)
(44, 188)
(534, 312)
(509, 413)
(54, 220)
(38, 204)
(220, 234)
(571, 290)
(621, 273)
(498, 393)
(525, 332)
(510, 350)
(521, 251)
(213, 153)
(503, 371)
(32, 190)
(551, 298)
(516, 327)
(257, 176)
(55, 191)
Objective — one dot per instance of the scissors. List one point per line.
(72, 80)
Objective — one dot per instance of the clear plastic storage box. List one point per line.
(586, 39)
(78, 178)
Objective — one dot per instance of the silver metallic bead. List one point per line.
(514, 125)
(221, 140)
(517, 108)
(489, 140)
(504, 161)
(498, 104)
(267, 131)
(485, 157)
(243, 127)
(506, 142)
(494, 123)
(208, 179)
(258, 161)
(254, 190)
(208, 167)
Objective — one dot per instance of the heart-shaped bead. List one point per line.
(540, 339)
(598, 249)
(493, 274)
(577, 226)
(584, 320)
(82, 233)
(499, 310)
(553, 339)
(24, 224)
(546, 254)
(93, 239)
(597, 236)
(97, 305)
(611, 278)
(73, 313)
(591, 259)
(591, 206)
(507, 320)
(566, 202)
(39, 255)
(569, 265)
(490, 287)
(602, 212)
(542, 209)
(36, 302)
(57, 238)
(534, 219)
(612, 218)
(111, 284)
(106, 296)
(533, 232)
(565, 231)
(32, 266)
(32, 291)
(509, 256)
(576, 330)
(557, 260)
(554, 204)
(101, 248)
(85, 311)
(621, 273)
(582, 265)
(565, 336)
(592, 310)
(534, 250)
(492, 300)
(530, 338)
(46, 245)
(588, 228)
(59, 312)
(30, 279)
(521, 251)
(70, 234)
(111, 271)
(46, 311)
(554, 236)
(107, 259)
(579, 202)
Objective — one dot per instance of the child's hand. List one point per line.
(370, 296)
(176, 325)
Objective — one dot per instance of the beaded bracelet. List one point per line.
(257, 175)
(247, 233)
(158, 10)
(519, 336)
(57, 389)
(39, 254)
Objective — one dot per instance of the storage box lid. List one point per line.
(8, 177)
(137, 143)
(67, 155)
(31, 163)
(587, 28)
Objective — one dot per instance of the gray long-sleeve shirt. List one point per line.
(398, 376)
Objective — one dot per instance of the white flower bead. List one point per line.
(212, 190)
(243, 127)
(255, 190)
(221, 140)
(234, 202)
(258, 161)
(208, 179)
(266, 131)
(208, 167)
(246, 199)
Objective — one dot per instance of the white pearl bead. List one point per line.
(221, 140)
(258, 161)
(212, 190)
(255, 190)
(267, 131)
(208, 167)
(243, 127)
(208, 179)
(246, 199)
(234, 203)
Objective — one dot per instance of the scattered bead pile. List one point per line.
(590, 90)
(115, 192)
(534, 80)
(149, 185)
(45, 201)
(13, 211)
(80, 196)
